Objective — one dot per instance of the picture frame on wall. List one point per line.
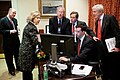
(48, 8)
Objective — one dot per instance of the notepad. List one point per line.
(110, 44)
(81, 69)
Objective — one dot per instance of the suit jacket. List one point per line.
(87, 51)
(10, 41)
(110, 28)
(65, 27)
(85, 28)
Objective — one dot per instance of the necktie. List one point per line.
(59, 25)
(99, 30)
(79, 46)
(12, 24)
(73, 29)
(60, 22)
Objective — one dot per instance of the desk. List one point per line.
(73, 77)
(65, 77)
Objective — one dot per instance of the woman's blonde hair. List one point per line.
(32, 16)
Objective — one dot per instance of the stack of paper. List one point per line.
(62, 66)
(110, 43)
(81, 69)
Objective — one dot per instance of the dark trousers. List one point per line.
(27, 75)
(9, 59)
(111, 67)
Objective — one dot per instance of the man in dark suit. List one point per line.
(85, 51)
(59, 24)
(75, 22)
(9, 30)
(109, 28)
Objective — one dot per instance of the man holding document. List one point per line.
(107, 29)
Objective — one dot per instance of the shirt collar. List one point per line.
(75, 23)
(8, 17)
(101, 17)
(59, 19)
(82, 38)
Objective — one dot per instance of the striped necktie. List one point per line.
(12, 24)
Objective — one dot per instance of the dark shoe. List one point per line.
(12, 73)
(17, 69)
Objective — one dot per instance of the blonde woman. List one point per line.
(27, 48)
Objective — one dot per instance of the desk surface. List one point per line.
(69, 77)
(91, 76)
(73, 77)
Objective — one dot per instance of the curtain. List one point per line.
(110, 7)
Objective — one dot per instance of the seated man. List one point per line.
(85, 48)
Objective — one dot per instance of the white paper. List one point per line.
(110, 44)
(62, 66)
(59, 66)
(78, 71)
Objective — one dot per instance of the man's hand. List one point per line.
(63, 59)
(116, 49)
(95, 38)
(13, 31)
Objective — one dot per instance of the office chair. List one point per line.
(47, 29)
(96, 68)
(99, 51)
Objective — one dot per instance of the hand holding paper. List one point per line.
(110, 44)
(116, 49)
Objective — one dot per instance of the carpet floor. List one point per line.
(4, 75)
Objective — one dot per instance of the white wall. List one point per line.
(24, 7)
(81, 6)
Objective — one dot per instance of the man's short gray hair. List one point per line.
(99, 7)
(60, 7)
